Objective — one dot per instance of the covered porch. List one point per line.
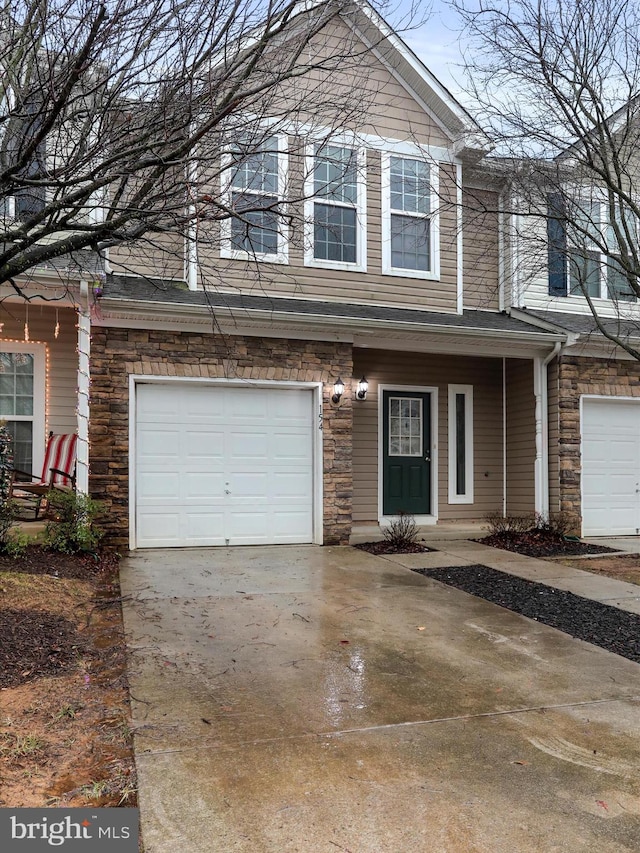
(44, 376)
(452, 435)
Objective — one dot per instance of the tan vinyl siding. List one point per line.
(554, 415)
(63, 358)
(368, 96)
(389, 368)
(159, 256)
(480, 248)
(521, 437)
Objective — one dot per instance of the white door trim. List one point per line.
(432, 518)
(316, 387)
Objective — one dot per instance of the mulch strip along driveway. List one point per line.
(600, 624)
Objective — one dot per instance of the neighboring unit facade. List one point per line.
(216, 413)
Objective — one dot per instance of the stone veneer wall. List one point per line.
(578, 376)
(117, 353)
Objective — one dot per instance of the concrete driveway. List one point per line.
(323, 700)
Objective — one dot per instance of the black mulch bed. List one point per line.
(385, 547)
(608, 627)
(542, 543)
(34, 644)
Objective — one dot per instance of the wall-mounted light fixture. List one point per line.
(363, 387)
(338, 391)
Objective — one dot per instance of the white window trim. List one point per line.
(39, 353)
(282, 255)
(467, 390)
(595, 197)
(360, 264)
(434, 218)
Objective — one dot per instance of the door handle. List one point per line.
(427, 458)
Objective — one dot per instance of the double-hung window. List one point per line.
(255, 187)
(409, 218)
(585, 251)
(22, 401)
(337, 208)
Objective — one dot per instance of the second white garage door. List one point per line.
(218, 465)
(610, 467)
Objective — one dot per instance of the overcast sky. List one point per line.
(436, 43)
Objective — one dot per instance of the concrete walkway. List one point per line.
(323, 699)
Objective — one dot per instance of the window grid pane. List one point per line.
(335, 233)
(617, 282)
(16, 384)
(257, 231)
(258, 171)
(22, 434)
(584, 273)
(410, 249)
(405, 426)
(335, 175)
(410, 188)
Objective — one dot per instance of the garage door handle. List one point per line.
(227, 491)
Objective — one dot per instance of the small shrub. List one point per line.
(402, 531)
(15, 544)
(73, 526)
(556, 524)
(500, 525)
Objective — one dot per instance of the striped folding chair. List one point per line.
(58, 472)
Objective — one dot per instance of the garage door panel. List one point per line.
(231, 467)
(610, 467)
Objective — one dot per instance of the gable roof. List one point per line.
(470, 139)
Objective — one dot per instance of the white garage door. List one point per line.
(610, 467)
(223, 465)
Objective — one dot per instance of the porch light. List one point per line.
(338, 391)
(363, 387)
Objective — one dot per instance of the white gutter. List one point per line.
(541, 468)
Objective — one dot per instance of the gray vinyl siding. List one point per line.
(554, 415)
(521, 437)
(63, 359)
(389, 368)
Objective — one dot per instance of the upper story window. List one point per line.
(255, 190)
(585, 255)
(336, 210)
(409, 218)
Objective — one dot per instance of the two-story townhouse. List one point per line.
(285, 385)
(566, 274)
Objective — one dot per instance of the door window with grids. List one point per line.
(405, 426)
(22, 403)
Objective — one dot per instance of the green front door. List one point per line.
(406, 455)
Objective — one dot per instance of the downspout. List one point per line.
(541, 468)
(84, 346)
(504, 437)
(501, 243)
(192, 236)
